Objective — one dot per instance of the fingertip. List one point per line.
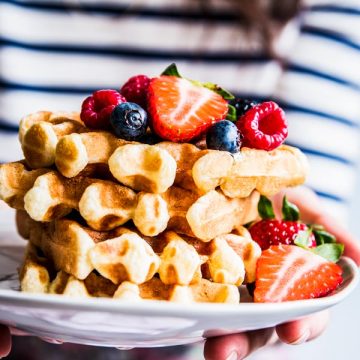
(5, 341)
(306, 329)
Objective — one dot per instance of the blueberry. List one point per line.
(225, 136)
(242, 105)
(129, 121)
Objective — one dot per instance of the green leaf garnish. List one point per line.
(265, 208)
(231, 115)
(219, 90)
(290, 211)
(171, 70)
(323, 237)
(331, 252)
(302, 239)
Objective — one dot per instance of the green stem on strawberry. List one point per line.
(231, 115)
(290, 211)
(171, 70)
(265, 208)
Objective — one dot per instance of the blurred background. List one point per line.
(55, 53)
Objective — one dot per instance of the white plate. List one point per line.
(107, 322)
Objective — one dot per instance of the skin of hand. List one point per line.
(239, 346)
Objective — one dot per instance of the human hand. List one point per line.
(5, 341)
(239, 346)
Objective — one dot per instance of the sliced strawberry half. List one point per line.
(181, 110)
(288, 272)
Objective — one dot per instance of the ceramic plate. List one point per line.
(107, 322)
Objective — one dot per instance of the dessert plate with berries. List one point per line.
(149, 222)
(106, 322)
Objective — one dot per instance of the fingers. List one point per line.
(313, 212)
(5, 341)
(306, 329)
(236, 346)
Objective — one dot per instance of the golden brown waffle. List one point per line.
(124, 255)
(15, 181)
(40, 132)
(154, 168)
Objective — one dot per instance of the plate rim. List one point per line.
(164, 308)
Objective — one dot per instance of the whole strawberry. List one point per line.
(270, 231)
(135, 90)
(97, 108)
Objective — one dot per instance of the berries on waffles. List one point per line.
(224, 136)
(96, 109)
(135, 90)
(129, 121)
(287, 272)
(270, 231)
(181, 110)
(242, 105)
(264, 126)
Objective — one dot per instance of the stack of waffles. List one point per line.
(106, 217)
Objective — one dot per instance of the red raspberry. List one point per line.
(96, 109)
(264, 126)
(276, 232)
(135, 90)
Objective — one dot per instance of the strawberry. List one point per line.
(288, 272)
(270, 231)
(181, 110)
(276, 232)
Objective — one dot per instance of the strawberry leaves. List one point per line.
(171, 70)
(265, 208)
(290, 211)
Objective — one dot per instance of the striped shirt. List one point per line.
(55, 53)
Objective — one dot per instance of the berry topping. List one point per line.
(223, 136)
(129, 121)
(242, 105)
(264, 126)
(181, 110)
(276, 232)
(288, 272)
(135, 90)
(96, 109)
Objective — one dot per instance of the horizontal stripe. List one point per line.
(312, 72)
(330, 35)
(326, 116)
(330, 196)
(312, 132)
(323, 96)
(127, 52)
(329, 156)
(6, 127)
(334, 9)
(127, 10)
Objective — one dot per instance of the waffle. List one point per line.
(39, 134)
(106, 217)
(105, 204)
(124, 255)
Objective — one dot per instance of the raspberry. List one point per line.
(276, 232)
(96, 109)
(135, 90)
(264, 126)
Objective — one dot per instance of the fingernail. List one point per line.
(233, 356)
(305, 336)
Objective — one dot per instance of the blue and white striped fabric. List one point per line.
(54, 53)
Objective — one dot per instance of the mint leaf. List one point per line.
(231, 115)
(265, 208)
(219, 90)
(331, 252)
(323, 237)
(171, 70)
(290, 211)
(302, 239)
